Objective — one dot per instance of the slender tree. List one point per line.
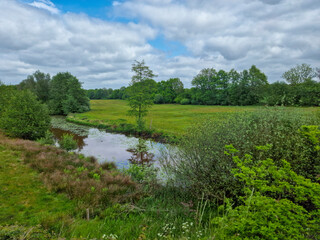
(140, 92)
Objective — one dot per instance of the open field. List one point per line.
(167, 118)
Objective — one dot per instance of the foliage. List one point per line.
(67, 142)
(223, 88)
(299, 74)
(278, 203)
(22, 115)
(219, 87)
(103, 93)
(66, 95)
(140, 93)
(47, 139)
(6, 93)
(158, 98)
(185, 101)
(38, 83)
(200, 160)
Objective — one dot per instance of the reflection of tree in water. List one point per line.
(140, 154)
(58, 133)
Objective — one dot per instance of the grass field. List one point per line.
(168, 118)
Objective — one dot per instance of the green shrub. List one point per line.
(201, 166)
(185, 101)
(67, 142)
(47, 139)
(23, 116)
(278, 203)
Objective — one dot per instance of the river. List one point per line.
(112, 147)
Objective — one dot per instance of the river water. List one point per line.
(112, 147)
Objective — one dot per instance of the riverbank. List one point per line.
(47, 193)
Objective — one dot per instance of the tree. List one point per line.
(38, 83)
(140, 92)
(67, 95)
(299, 74)
(23, 115)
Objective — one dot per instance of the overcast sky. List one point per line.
(97, 41)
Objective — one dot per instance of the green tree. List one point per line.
(38, 83)
(140, 92)
(67, 95)
(299, 74)
(23, 115)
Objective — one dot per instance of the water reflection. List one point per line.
(58, 133)
(117, 148)
(141, 154)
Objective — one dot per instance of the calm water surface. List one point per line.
(117, 148)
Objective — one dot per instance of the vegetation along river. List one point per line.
(111, 147)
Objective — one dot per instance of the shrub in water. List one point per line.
(47, 139)
(67, 142)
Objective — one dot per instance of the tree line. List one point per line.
(220, 87)
(63, 93)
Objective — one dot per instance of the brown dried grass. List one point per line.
(94, 185)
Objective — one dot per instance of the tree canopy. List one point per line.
(299, 74)
(67, 95)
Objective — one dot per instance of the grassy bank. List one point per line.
(48, 198)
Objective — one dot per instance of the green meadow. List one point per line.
(168, 118)
(172, 119)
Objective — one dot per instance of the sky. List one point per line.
(97, 41)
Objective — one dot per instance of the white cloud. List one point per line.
(239, 33)
(45, 4)
(272, 34)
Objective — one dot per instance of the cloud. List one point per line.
(45, 4)
(275, 35)
(242, 32)
(92, 49)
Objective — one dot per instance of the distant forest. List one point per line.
(218, 87)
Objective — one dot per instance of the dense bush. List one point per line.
(22, 115)
(201, 165)
(278, 203)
